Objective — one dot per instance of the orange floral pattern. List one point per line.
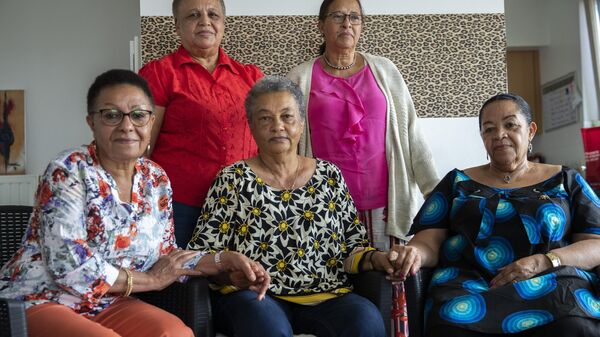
(87, 234)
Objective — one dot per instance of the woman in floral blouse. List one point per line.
(293, 215)
(102, 229)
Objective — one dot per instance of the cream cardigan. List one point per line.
(410, 163)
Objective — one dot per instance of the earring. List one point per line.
(530, 147)
(148, 150)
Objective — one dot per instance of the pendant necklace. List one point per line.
(285, 189)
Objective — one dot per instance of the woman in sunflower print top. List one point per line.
(515, 242)
(294, 216)
(102, 228)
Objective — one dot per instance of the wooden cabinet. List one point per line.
(523, 74)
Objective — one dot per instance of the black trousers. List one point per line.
(567, 326)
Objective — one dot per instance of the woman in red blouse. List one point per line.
(200, 120)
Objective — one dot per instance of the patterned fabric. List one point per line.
(81, 233)
(451, 62)
(492, 227)
(375, 222)
(205, 126)
(347, 117)
(301, 237)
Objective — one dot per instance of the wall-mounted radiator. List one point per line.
(18, 190)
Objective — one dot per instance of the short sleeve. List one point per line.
(435, 212)
(585, 204)
(154, 74)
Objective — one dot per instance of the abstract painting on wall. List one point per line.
(12, 132)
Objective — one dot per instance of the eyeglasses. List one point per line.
(339, 17)
(113, 117)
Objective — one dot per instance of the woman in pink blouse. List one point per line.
(361, 117)
(102, 228)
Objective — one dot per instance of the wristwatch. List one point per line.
(554, 259)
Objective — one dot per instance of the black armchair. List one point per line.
(416, 293)
(190, 301)
(374, 286)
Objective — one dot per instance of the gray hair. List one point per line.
(270, 84)
(176, 3)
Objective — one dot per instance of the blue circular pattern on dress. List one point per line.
(587, 190)
(536, 287)
(497, 254)
(532, 228)
(505, 211)
(552, 220)
(453, 247)
(434, 209)
(587, 302)
(487, 224)
(464, 309)
(456, 205)
(461, 177)
(586, 275)
(524, 320)
(476, 286)
(444, 275)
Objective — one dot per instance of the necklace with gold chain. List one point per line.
(286, 190)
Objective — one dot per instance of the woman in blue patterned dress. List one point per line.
(102, 228)
(515, 243)
(295, 216)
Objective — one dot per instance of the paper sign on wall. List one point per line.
(560, 102)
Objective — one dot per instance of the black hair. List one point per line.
(323, 15)
(116, 77)
(518, 100)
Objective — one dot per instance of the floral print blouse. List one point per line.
(301, 237)
(80, 233)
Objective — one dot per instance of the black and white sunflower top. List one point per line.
(301, 236)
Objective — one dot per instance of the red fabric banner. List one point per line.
(591, 148)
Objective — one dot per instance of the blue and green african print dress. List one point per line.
(491, 227)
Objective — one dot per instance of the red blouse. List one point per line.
(204, 127)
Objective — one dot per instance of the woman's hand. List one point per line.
(380, 261)
(169, 267)
(522, 269)
(406, 261)
(245, 273)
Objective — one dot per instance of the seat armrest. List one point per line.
(374, 286)
(189, 301)
(416, 294)
(13, 321)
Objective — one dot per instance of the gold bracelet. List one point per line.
(129, 282)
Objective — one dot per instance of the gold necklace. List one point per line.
(279, 181)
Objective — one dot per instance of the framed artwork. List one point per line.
(12, 132)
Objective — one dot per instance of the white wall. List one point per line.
(554, 27)
(53, 50)
(455, 142)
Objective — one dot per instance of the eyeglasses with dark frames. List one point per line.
(113, 117)
(339, 17)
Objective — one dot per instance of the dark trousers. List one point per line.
(239, 314)
(567, 326)
(185, 218)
